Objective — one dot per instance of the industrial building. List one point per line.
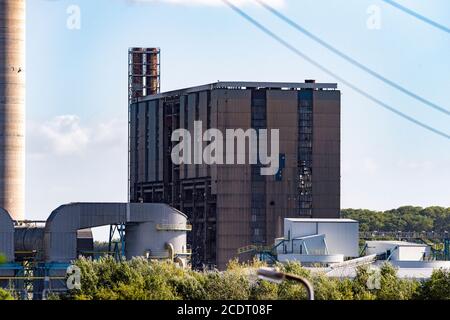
(39, 253)
(12, 107)
(318, 241)
(331, 247)
(233, 206)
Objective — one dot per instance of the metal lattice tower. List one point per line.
(144, 77)
(143, 72)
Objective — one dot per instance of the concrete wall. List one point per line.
(12, 106)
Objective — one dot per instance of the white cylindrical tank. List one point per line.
(12, 106)
(162, 238)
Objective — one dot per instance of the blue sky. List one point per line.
(77, 88)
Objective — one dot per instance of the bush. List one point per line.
(435, 288)
(393, 288)
(232, 284)
(290, 290)
(2, 258)
(5, 295)
(139, 279)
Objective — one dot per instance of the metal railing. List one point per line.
(251, 248)
(403, 235)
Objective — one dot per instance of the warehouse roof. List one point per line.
(396, 243)
(417, 270)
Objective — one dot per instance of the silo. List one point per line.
(163, 237)
(12, 106)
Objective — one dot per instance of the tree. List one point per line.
(139, 279)
(2, 258)
(406, 218)
(5, 295)
(435, 288)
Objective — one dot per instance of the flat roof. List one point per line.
(396, 243)
(240, 85)
(421, 269)
(315, 220)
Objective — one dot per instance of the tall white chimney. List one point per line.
(12, 107)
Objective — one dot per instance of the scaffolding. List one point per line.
(144, 70)
(144, 79)
(116, 246)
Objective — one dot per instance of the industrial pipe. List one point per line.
(171, 250)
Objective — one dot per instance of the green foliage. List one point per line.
(139, 279)
(331, 289)
(106, 279)
(407, 218)
(289, 290)
(2, 258)
(264, 290)
(386, 287)
(5, 295)
(393, 288)
(435, 288)
(359, 287)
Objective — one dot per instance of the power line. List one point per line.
(331, 73)
(351, 60)
(417, 15)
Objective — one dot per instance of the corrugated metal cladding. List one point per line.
(6, 236)
(232, 206)
(60, 235)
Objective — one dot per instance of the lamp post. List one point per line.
(273, 275)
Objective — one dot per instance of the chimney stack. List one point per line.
(12, 107)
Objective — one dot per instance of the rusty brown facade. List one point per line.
(232, 206)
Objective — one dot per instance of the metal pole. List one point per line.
(278, 277)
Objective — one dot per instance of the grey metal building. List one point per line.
(39, 253)
(233, 206)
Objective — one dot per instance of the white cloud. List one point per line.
(275, 3)
(415, 165)
(74, 159)
(370, 166)
(65, 135)
(110, 133)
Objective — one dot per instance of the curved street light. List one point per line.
(273, 275)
